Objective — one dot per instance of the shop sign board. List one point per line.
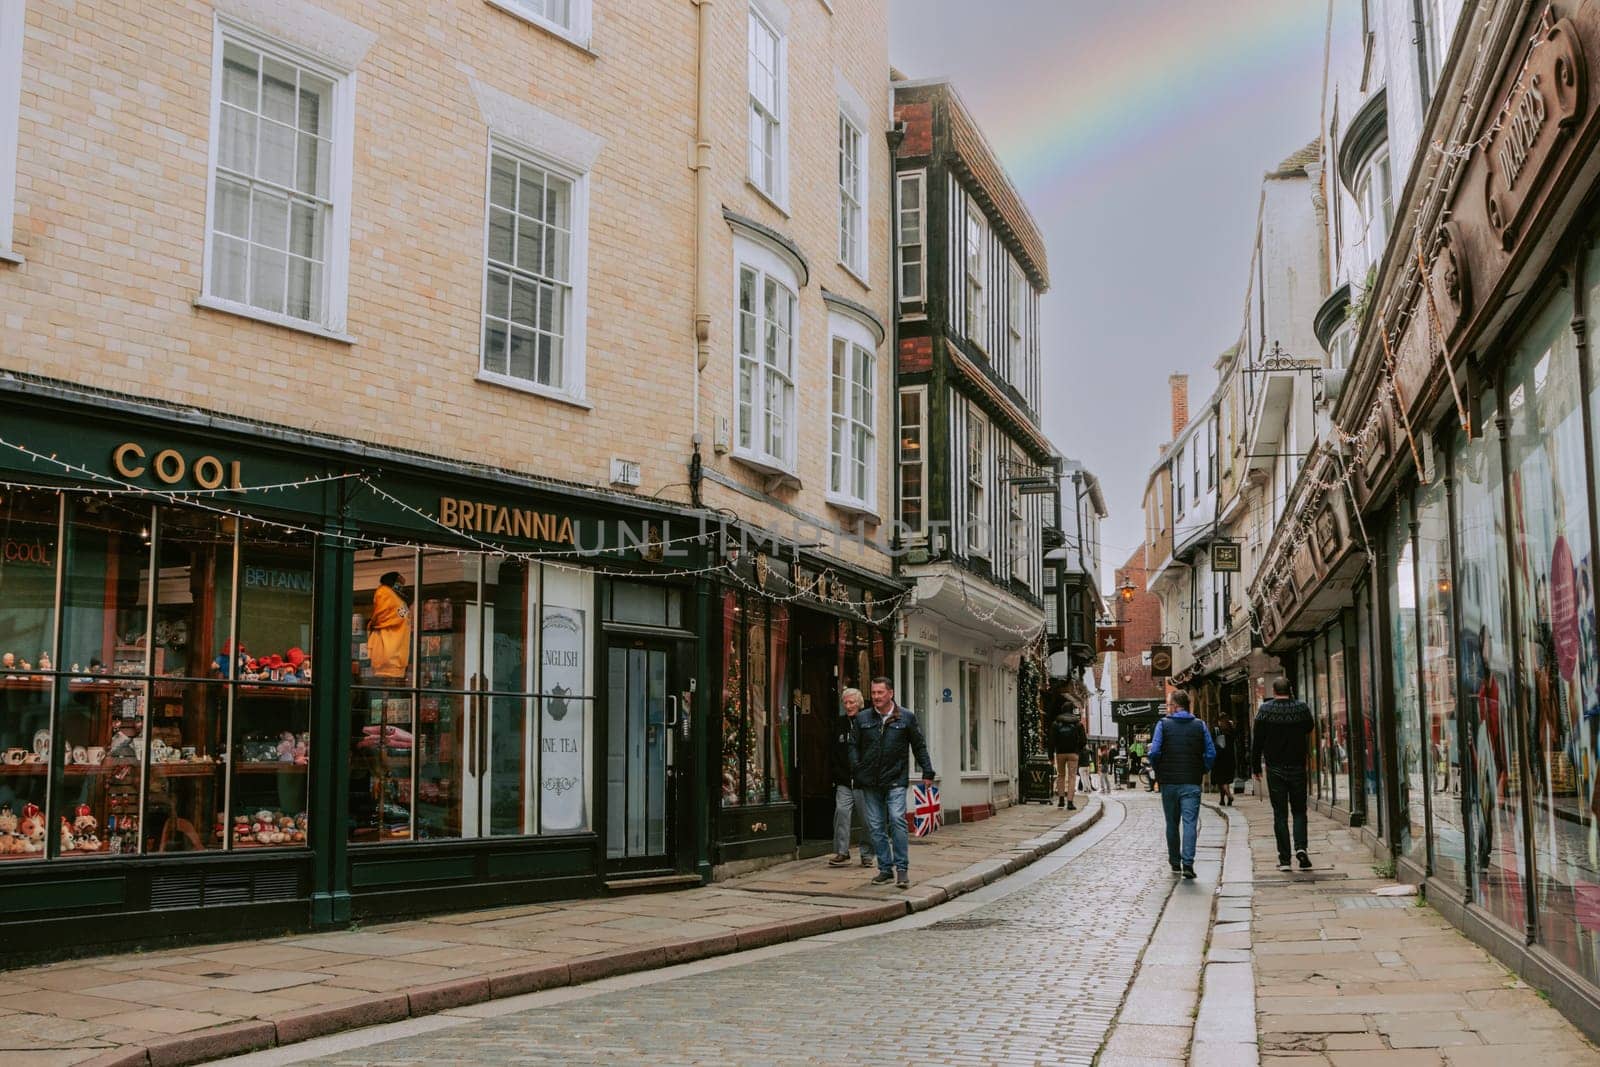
(1108, 639)
(1226, 557)
(562, 760)
(1161, 661)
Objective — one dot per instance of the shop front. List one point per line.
(250, 681)
(794, 636)
(1475, 720)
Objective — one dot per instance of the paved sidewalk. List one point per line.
(1348, 978)
(192, 1005)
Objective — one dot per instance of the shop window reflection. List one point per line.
(1555, 601)
(1402, 593)
(1481, 585)
(1442, 745)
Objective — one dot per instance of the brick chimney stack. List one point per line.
(1179, 384)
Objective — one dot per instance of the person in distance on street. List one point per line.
(1222, 770)
(1283, 724)
(886, 737)
(1180, 754)
(847, 804)
(1067, 738)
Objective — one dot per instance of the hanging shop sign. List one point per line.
(1226, 557)
(1108, 639)
(1161, 661)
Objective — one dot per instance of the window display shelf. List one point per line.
(270, 767)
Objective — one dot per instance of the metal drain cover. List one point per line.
(1376, 902)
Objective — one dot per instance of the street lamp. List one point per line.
(1125, 591)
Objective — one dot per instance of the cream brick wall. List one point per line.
(850, 43)
(110, 217)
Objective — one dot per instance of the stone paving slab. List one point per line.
(205, 1002)
(1345, 978)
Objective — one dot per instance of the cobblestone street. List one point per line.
(1035, 976)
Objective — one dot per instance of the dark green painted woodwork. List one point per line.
(56, 896)
(381, 872)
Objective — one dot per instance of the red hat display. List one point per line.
(295, 657)
(275, 661)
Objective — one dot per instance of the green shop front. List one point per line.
(251, 681)
(794, 633)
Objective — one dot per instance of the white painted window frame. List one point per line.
(336, 264)
(974, 259)
(970, 681)
(575, 362)
(919, 533)
(579, 33)
(858, 340)
(778, 194)
(1016, 525)
(917, 202)
(976, 460)
(854, 202)
(13, 25)
(747, 254)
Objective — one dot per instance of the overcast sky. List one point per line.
(1137, 131)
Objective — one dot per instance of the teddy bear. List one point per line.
(86, 830)
(32, 828)
(286, 747)
(68, 842)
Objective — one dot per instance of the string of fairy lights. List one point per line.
(826, 590)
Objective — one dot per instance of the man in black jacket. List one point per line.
(846, 797)
(886, 736)
(1282, 726)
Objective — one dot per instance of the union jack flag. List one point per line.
(926, 814)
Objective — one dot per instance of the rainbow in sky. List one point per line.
(1144, 78)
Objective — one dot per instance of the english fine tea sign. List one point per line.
(561, 756)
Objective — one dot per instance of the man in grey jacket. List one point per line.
(886, 736)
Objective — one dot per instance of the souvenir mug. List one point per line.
(15, 756)
(96, 754)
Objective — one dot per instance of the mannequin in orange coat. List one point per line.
(389, 629)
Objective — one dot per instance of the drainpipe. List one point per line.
(701, 165)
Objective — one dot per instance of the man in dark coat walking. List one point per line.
(1282, 726)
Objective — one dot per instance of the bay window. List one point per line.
(765, 326)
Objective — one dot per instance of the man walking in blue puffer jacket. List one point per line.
(1180, 755)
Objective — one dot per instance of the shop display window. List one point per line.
(1552, 562)
(1490, 784)
(1441, 740)
(472, 711)
(154, 681)
(1402, 592)
(29, 525)
(758, 727)
(1326, 757)
(1338, 719)
(1371, 765)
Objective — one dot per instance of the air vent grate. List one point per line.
(282, 884)
(175, 891)
(227, 889)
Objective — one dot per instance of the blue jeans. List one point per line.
(1184, 801)
(888, 806)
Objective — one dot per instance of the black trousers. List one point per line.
(1286, 787)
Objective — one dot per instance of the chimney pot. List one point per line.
(1179, 384)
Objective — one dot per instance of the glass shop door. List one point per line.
(648, 719)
